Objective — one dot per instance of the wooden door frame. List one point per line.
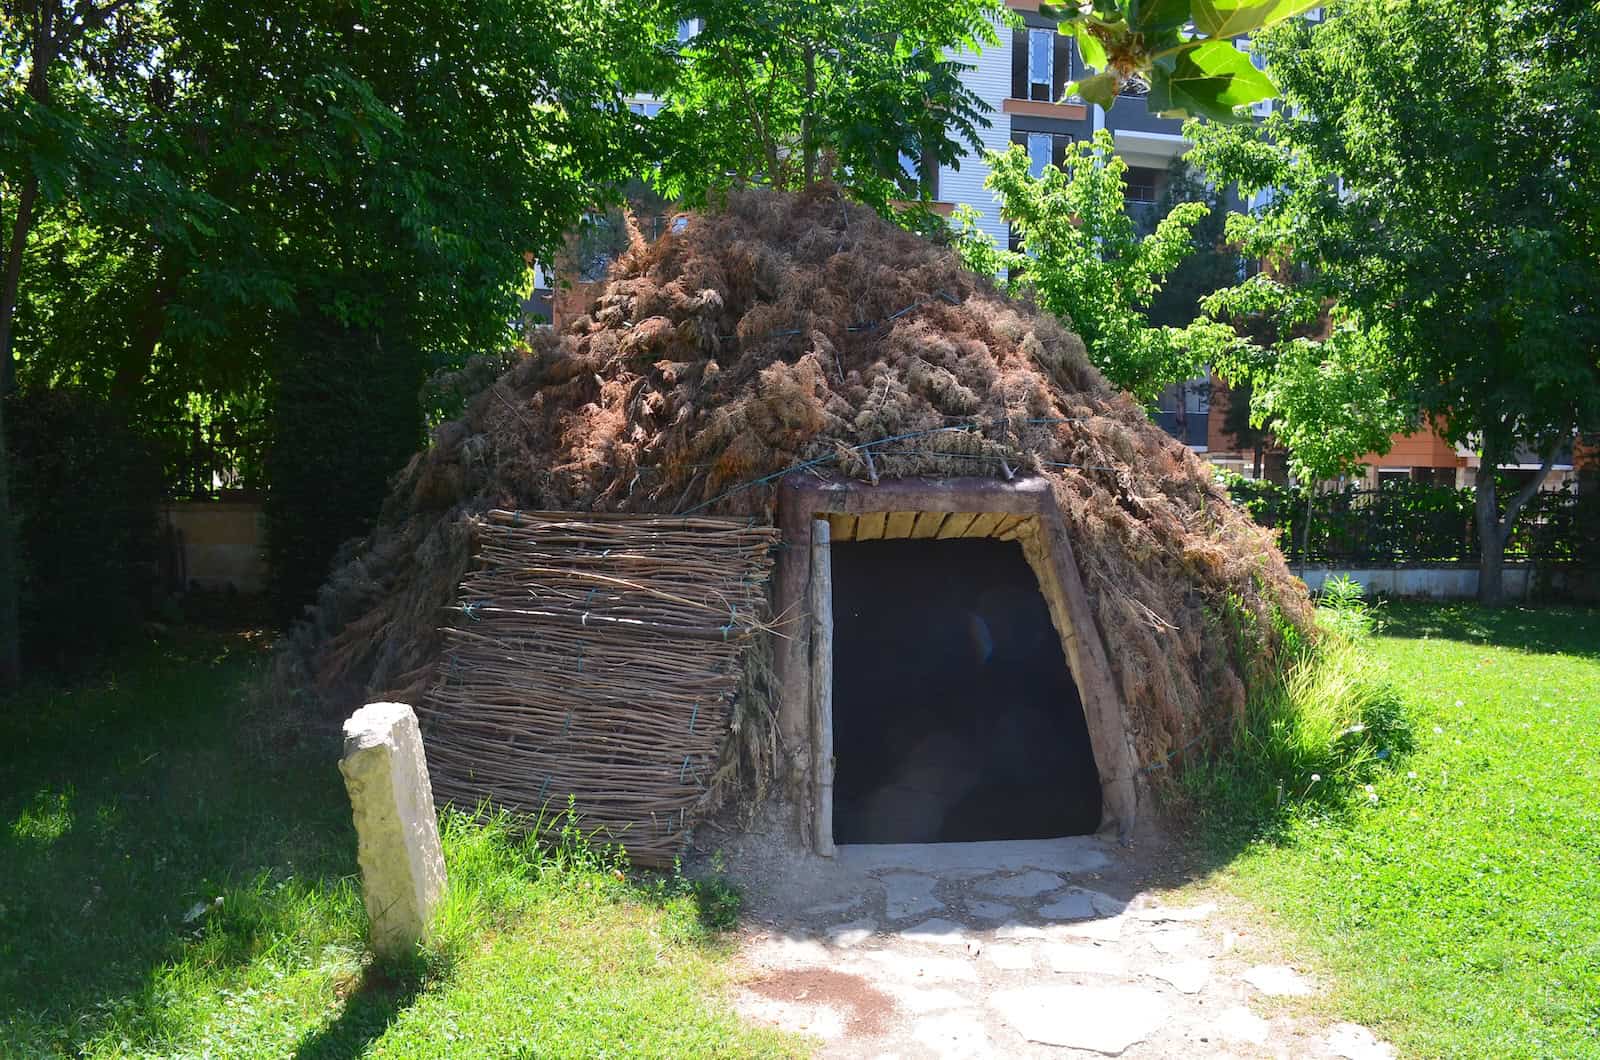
(803, 602)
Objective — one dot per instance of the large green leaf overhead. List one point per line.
(1181, 49)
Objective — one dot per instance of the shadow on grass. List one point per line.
(128, 804)
(715, 898)
(371, 1005)
(1552, 630)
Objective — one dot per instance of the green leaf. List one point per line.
(1230, 18)
(1101, 88)
(1061, 12)
(1154, 16)
(1089, 46)
(1213, 79)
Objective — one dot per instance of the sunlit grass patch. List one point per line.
(1456, 906)
(46, 818)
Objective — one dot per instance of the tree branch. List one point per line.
(1523, 495)
(768, 147)
(87, 17)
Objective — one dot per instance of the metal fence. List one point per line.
(1409, 522)
(207, 457)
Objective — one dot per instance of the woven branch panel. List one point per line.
(596, 657)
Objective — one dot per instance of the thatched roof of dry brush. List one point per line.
(791, 329)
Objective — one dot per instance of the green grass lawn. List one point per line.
(129, 802)
(1458, 911)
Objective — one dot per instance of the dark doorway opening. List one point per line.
(955, 716)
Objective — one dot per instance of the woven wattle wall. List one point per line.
(596, 657)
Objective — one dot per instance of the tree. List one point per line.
(1211, 263)
(1437, 177)
(784, 92)
(229, 182)
(1085, 261)
(70, 70)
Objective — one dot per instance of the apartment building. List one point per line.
(1024, 79)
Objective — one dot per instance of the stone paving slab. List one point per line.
(909, 894)
(1159, 913)
(1024, 885)
(851, 934)
(1187, 977)
(1100, 1019)
(982, 910)
(1072, 854)
(922, 999)
(1175, 941)
(938, 932)
(1239, 1024)
(1079, 904)
(917, 967)
(1105, 929)
(1009, 957)
(1277, 980)
(1351, 1041)
(1083, 958)
(956, 1035)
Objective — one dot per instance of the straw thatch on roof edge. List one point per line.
(789, 329)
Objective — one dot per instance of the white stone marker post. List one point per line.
(397, 832)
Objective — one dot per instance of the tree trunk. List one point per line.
(10, 576)
(1491, 541)
(1305, 531)
(808, 145)
(10, 622)
(1494, 529)
(13, 279)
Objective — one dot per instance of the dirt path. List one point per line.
(1018, 949)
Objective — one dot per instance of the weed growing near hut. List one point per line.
(1312, 738)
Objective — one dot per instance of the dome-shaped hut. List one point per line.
(800, 499)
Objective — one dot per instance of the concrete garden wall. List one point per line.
(1522, 581)
(217, 544)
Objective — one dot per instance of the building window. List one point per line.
(1044, 149)
(689, 28)
(1140, 186)
(922, 173)
(1041, 65)
(1197, 397)
(1039, 146)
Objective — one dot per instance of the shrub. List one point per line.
(86, 488)
(1415, 522)
(346, 417)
